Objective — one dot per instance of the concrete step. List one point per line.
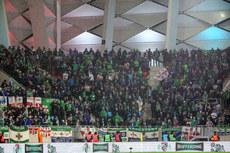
(147, 110)
(226, 84)
(153, 71)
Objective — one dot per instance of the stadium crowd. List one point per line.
(110, 89)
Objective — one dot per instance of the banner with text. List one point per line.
(177, 131)
(190, 146)
(112, 131)
(135, 133)
(223, 130)
(190, 132)
(61, 134)
(19, 134)
(116, 147)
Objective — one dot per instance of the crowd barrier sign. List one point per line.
(177, 131)
(223, 130)
(116, 147)
(112, 131)
(36, 134)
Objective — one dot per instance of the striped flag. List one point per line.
(61, 134)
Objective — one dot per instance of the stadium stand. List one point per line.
(110, 89)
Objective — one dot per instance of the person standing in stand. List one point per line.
(118, 137)
(107, 137)
(172, 137)
(165, 137)
(95, 137)
(2, 140)
(89, 137)
(215, 137)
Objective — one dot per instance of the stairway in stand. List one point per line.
(226, 86)
(146, 111)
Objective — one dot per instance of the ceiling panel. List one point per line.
(209, 44)
(225, 25)
(69, 5)
(52, 35)
(147, 7)
(162, 2)
(147, 20)
(85, 11)
(12, 12)
(52, 6)
(124, 6)
(212, 17)
(70, 33)
(9, 7)
(99, 4)
(29, 42)
(52, 44)
(98, 31)
(13, 39)
(212, 33)
(161, 28)
(20, 34)
(147, 36)
(211, 5)
(85, 23)
(48, 12)
(85, 38)
(21, 5)
(188, 27)
(124, 29)
(19, 22)
(187, 21)
(188, 4)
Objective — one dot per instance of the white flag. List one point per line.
(11, 100)
(163, 74)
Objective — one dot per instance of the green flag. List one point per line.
(19, 134)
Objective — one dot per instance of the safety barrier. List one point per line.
(36, 134)
(116, 147)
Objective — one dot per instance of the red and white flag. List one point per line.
(33, 134)
(38, 101)
(15, 101)
(30, 101)
(19, 101)
(163, 74)
(46, 134)
(34, 101)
